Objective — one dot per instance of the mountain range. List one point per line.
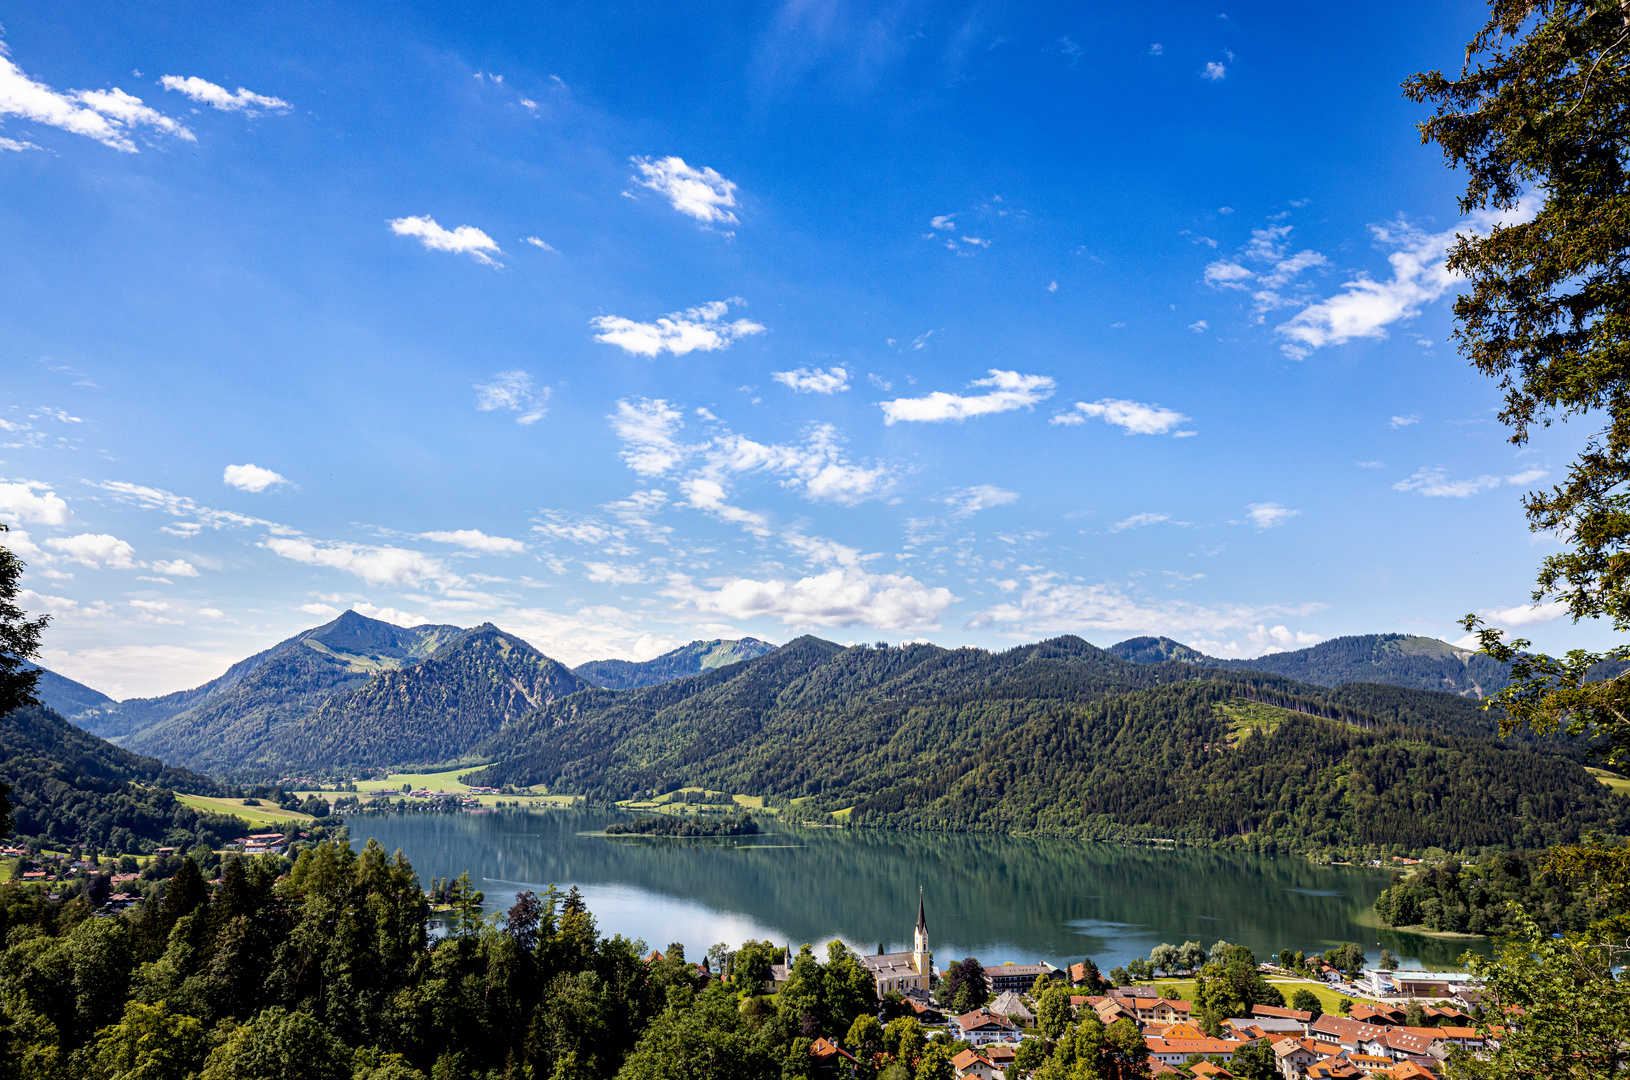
(1144, 740)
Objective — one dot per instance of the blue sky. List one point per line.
(622, 325)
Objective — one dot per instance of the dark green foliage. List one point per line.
(683, 662)
(65, 696)
(70, 787)
(1060, 739)
(1484, 897)
(672, 825)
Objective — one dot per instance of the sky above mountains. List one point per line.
(623, 325)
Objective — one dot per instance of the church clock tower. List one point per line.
(922, 957)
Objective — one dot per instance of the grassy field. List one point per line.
(254, 815)
(446, 781)
(1618, 783)
(1246, 717)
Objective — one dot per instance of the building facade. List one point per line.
(902, 972)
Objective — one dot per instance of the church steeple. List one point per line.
(922, 957)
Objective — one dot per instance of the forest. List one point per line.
(1490, 895)
(1063, 739)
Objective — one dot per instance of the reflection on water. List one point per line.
(995, 897)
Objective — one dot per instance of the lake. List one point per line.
(997, 898)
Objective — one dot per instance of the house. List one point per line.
(1376, 1012)
(972, 1063)
(1180, 1030)
(1301, 1016)
(1292, 1057)
(1371, 1063)
(1348, 1033)
(1466, 1037)
(1000, 1055)
(906, 971)
(1177, 1051)
(1400, 1044)
(983, 1026)
(1172, 1011)
(1079, 972)
(921, 1007)
(1271, 1027)
(1008, 1004)
(1333, 1068)
(830, 1059)
(1210, 1070)
(1019, 978)
(1408, 1070)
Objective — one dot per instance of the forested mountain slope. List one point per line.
(284, 680)
(65, 696)
(687, 660)
(362, 692)
(1060, 738)
(1420, 663)
(68, 786)
(433, 711)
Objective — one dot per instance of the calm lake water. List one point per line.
(998, 898)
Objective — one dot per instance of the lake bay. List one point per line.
(998, 898)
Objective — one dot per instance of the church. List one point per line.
(905, 971)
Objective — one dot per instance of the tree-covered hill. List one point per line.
(1421, 663)
(64, 695)
(283, 681)
(362, 695)
(69, 786)
(687, 660)
(1065, 739)
(436, 710)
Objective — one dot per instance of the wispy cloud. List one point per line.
(1010, 391)
(251, 477)
(836, 598)
(537, 242)
(695, 329)
(1134, 416)
(108, 116)
(1138, 521)
(513, 391)
(219, 97)
(1213, 71)
(813, 380)
(647, 429)
(374, 564)
(96, 550)
(464, 240)
(969, 501)
(1433, 481)
(1366, 308)
(699, 193)
(1524, 614)
(1403, 421)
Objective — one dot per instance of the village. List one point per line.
(1394, 1024)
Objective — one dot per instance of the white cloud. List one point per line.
(1200, 326)
(1134, 416)
(680, 332)
(1268, 515)
(1433, 481)
(1272, 639)
(385, 565)
(647, 429)
(149, 498)
(174, 567)
(108, 116)
(943, 221)
(1050, 604)
(465, 240)
(251, 477)
(1138, 521)
(1213, 71)
(1525, 614)
(969, 501)
(1226, 274)
(1403, 421)
(325, 611)
(513, 390)
(96, 550)
(1052, 286)
(390, 615)
(1366, 308)
(840, 597)
(1011, 391)
(1369, 464)
(612, 574)
(818, 465)
(32, 501)
(537, 242)
(125, 671)
(219, 97)
(813, 380)
(475, 540)
(699, 193)
(18, 145)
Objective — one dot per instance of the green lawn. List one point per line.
(1329, 1000)
(446, 781)
(255, 815)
